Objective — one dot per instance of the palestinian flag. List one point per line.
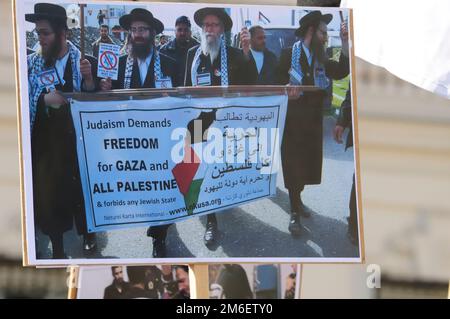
(190, 172)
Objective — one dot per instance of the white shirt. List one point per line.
(143, 67)
(60, 66)
(410, 38)
(259, 59)
(308, 53)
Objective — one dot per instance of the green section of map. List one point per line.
(191, 198)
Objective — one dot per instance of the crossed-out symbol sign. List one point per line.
(47, 79)
(108, 60)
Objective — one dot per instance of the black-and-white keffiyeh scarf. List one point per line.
(223, 64)
(320, 79)
(36, 65)
(129, 69)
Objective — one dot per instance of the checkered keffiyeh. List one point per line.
(36, 64)
(320, 80)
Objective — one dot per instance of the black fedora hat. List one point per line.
(200, 14)
(312, 19)
(139, 14)
(47, 11)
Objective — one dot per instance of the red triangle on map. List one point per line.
(185, 171)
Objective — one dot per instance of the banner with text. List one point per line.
(162, 160)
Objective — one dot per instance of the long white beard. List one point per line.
(210, 49)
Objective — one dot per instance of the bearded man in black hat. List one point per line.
(306, 64)
(56, 67)
(144, 66)
(213, 63)
(204, 67)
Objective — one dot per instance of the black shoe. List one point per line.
(159, 248)
(89, 242)
(210, 233)
(294, 225)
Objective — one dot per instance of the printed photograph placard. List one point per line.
(250, 281)
(178, 133)
(133, 282)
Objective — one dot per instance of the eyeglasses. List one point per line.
(139, 29)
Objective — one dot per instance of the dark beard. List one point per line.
(141, 50)
(51, 55)
(318, 49)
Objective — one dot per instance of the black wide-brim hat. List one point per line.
(311, 19)
(47, 11)
(141, 15)
(200, 14)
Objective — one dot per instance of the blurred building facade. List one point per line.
(16, 281)
(404, 135)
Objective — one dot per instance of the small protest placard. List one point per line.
(48, 79)
(108, 61)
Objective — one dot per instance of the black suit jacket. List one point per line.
(178, 54)
(58, 196)
(111, 291)
(240, 70)
(302, 145)
(334, 69)
(267, 76)
(167, 68)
